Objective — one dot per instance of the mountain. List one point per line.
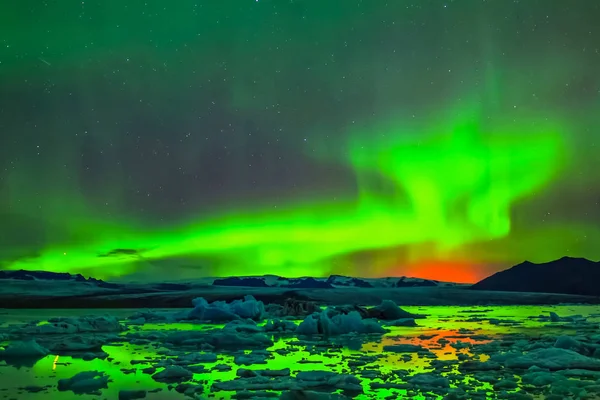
(237, 281)
(567, 275)
(339, 280)
(333, 281)
(273, 281)
(414, 282)
(40, 289)
(23, 275)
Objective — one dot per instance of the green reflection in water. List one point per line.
(452, 324)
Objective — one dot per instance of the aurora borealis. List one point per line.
(441, 139)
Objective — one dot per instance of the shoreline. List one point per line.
(416, 296)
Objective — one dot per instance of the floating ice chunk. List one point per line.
(76, 343)
(278, 325)
(251, 373)
(570, 343)
(310, 325)
(554, 317)
(143, 316)
(173, 374)
(317, 380)
(353, 323)
(329, 381)
(506, 383)
(405, 348)
(553, 359)
(191, 390)
(87, 382)
(220, 339)
(338, 324)
(308, 394)
(429, 380)
(251, 359)
(92, 356)
(220, 311)
(254, 384)
(84, 324)
(244, 326)
(197, 358)
(475, 365)
(541, 378)
(248, 308)
(27, 349)
(315, 375)
(388, 310)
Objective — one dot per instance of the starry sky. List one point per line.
(165, 140)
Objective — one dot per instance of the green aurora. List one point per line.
(469, 185)
(451, 190)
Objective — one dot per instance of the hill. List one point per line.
(577, 276)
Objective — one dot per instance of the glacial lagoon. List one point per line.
(510, 352)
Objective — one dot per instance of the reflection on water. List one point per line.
(447, 334)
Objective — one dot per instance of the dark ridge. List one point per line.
(295, 295)
(402, 282)
(568, 275)
(171, 286)
(24, 275)
(309, 283)
(235, 281)
(107, 285)
(340, 280)
(438, 296)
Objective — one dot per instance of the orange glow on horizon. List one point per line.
(448, 271)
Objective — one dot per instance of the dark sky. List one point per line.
(438, 138)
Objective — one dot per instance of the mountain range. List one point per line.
(564, 280)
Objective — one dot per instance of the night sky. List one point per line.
(165, 140)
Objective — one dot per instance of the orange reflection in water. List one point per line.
(438, 341)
